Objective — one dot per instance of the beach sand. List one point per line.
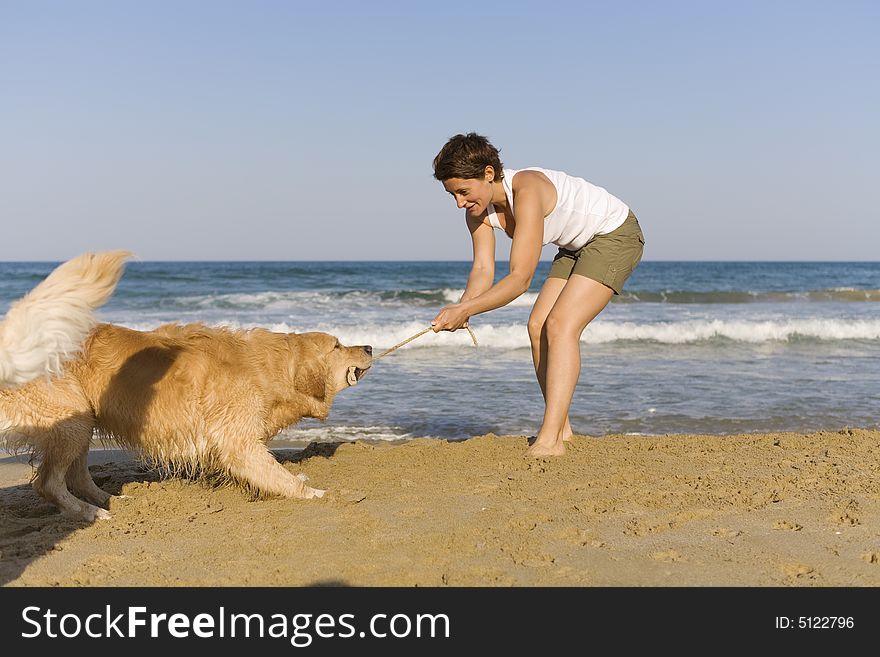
(782, 509)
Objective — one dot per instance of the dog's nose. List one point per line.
(368, 349)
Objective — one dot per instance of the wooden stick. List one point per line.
(411, 338)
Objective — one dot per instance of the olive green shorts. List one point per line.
(608, 259)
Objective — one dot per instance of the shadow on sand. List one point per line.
(31, 528)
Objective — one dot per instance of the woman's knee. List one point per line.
(536, 328)
(558, 327)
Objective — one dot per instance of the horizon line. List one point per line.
(432, 260)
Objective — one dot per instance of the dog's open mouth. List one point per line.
(355, 374)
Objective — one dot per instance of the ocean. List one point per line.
(689, 347)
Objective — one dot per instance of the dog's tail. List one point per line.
(50, 323)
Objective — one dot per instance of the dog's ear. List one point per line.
(311, 380)
(310, 371)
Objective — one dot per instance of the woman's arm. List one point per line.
(525, 252)
(483, 270)
(532, 200)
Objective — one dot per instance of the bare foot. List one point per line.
(565, 437)
(544, 448)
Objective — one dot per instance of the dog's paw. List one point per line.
(85, 512)
(317, 492)
(89, 513)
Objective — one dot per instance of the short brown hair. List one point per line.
(467, 156)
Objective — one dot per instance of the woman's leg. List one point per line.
(550, 292)
(577, 305)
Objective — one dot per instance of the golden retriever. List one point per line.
(49, 324)
(190, 398)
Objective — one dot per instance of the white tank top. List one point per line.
(582, 210)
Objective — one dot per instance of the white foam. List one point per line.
(737, 330)
(342, 433)
(515, 336)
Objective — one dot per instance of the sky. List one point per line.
(305, 130)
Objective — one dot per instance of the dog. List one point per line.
(189, 398)
(48, 325)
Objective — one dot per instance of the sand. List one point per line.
(775, 509)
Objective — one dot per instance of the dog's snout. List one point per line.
(368, 349)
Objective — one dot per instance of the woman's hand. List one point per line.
(450, 318)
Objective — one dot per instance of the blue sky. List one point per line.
(305, 130)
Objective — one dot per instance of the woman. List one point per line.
(600, 243)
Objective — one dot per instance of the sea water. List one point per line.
(689, 347)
